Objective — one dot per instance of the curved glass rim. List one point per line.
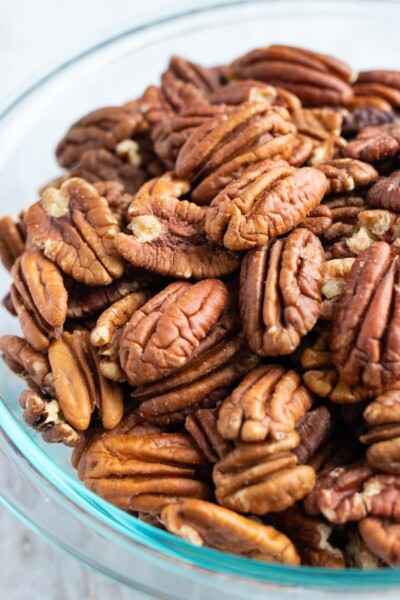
(158, 543)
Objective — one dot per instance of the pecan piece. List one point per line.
(144, 473)
(76, 229)
(380, 225)
(319, 130)
(27, 363)
(314, 429)
(267, 201)
(336, 272)
(222, 148)
(79, 385)
(360, 118)
(161, 337)
(12, 241)
(45, 416)
(318, 221)
(382, 537)
(386, 193)
(168, 235)
(345, 211)
(202, 427)
(347, 174)
(262, 477)
(382, 417)
(266, 405)
(375, 143)
(280, 292)
(317, 79)
(39, 297)
(205, 524)
(365, 325)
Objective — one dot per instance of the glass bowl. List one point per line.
(36, 480)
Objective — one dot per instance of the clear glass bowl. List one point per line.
(36, 480)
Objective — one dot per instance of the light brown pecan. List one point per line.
(103, 128)
(319, 129)
(380, 83)
(144, 473)
(376, 94)
(365, 328)
(345, 211)
(262, 477)
(382, 537)
(317, 79)
(206, 524)
(303, 148)
(375, 143)
(79, 385)
(45, 415)
(27, 363)
(168, 235)
(202, 427)
(359, 118)
(314, 429)
(312, 539)
(382, 417)
(39, 297)
(336, 272)
(266, 405)
(347, 174)
(222, 148)
(12, 241)
(280, 292)
(161, 337)
(380, 225)
(386, 193)
(76, 229)
(364, 102)
(318, 221)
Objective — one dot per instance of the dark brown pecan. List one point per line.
(266, 405)
(365, 328)
(382, 417)
(45, 415)
(76, 229)
(262, 477)
(359, 118)
(386, 193)
(205, 524)
(222, 148)
(280, 294)
(168, 234)
(249, 90)
(160, 337)
(317, 79)
(318, 220)
(202, 427)
(39, 297)
(269, 200)
(312, 539)
(27, 363)
(347, 174)
(144, 472)
(382, 537)
(79, 385)
(7, 303)
(103, 128)
(12, 241)
(375, 143)
(314, 429)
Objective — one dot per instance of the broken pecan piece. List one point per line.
(347, 174)
(314, 429)
(76, 229)
(266, 405)
(27, 363)
(375, 143)
(160, 337)
(205, 524)
(280, 295)
(317, 79)
(144, 473)
(12, 241)
(168, 235)
(262, 477)
(336, 272)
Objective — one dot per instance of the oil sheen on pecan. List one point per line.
(280, 294)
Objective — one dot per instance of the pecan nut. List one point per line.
(347, 174)
(382, 417)
(386, 193)
(144, 472)
(27, 363)
(375, 143)
(266, 405)
(12, 241)
(205, 524)
(382, 537)
(76, 229)
(202, 427)
(280, 294)
(314, 429)
(336, 272)
(318, 221)
(360, 118)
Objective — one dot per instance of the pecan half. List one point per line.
(45, 415)
(267, 201)
(314, 429)
(345, 211)
(377, 94)
(317, 79)
(359, 118)
(79, 385)
(143, 473)
(375, 143)
(27, 363)
(205, 524)
(168, 235)
(266, 405)
(262, 477)
(12, 241)
(280, 292)
(39, 297)
(346, 174)
(202, 427)
(382, 417)
(222, 148)
(161, 337)
(386, 193)
(76, 229)
(365, 325)
(382, 537)
(318, 221)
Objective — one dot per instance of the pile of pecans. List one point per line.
(210, 305)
